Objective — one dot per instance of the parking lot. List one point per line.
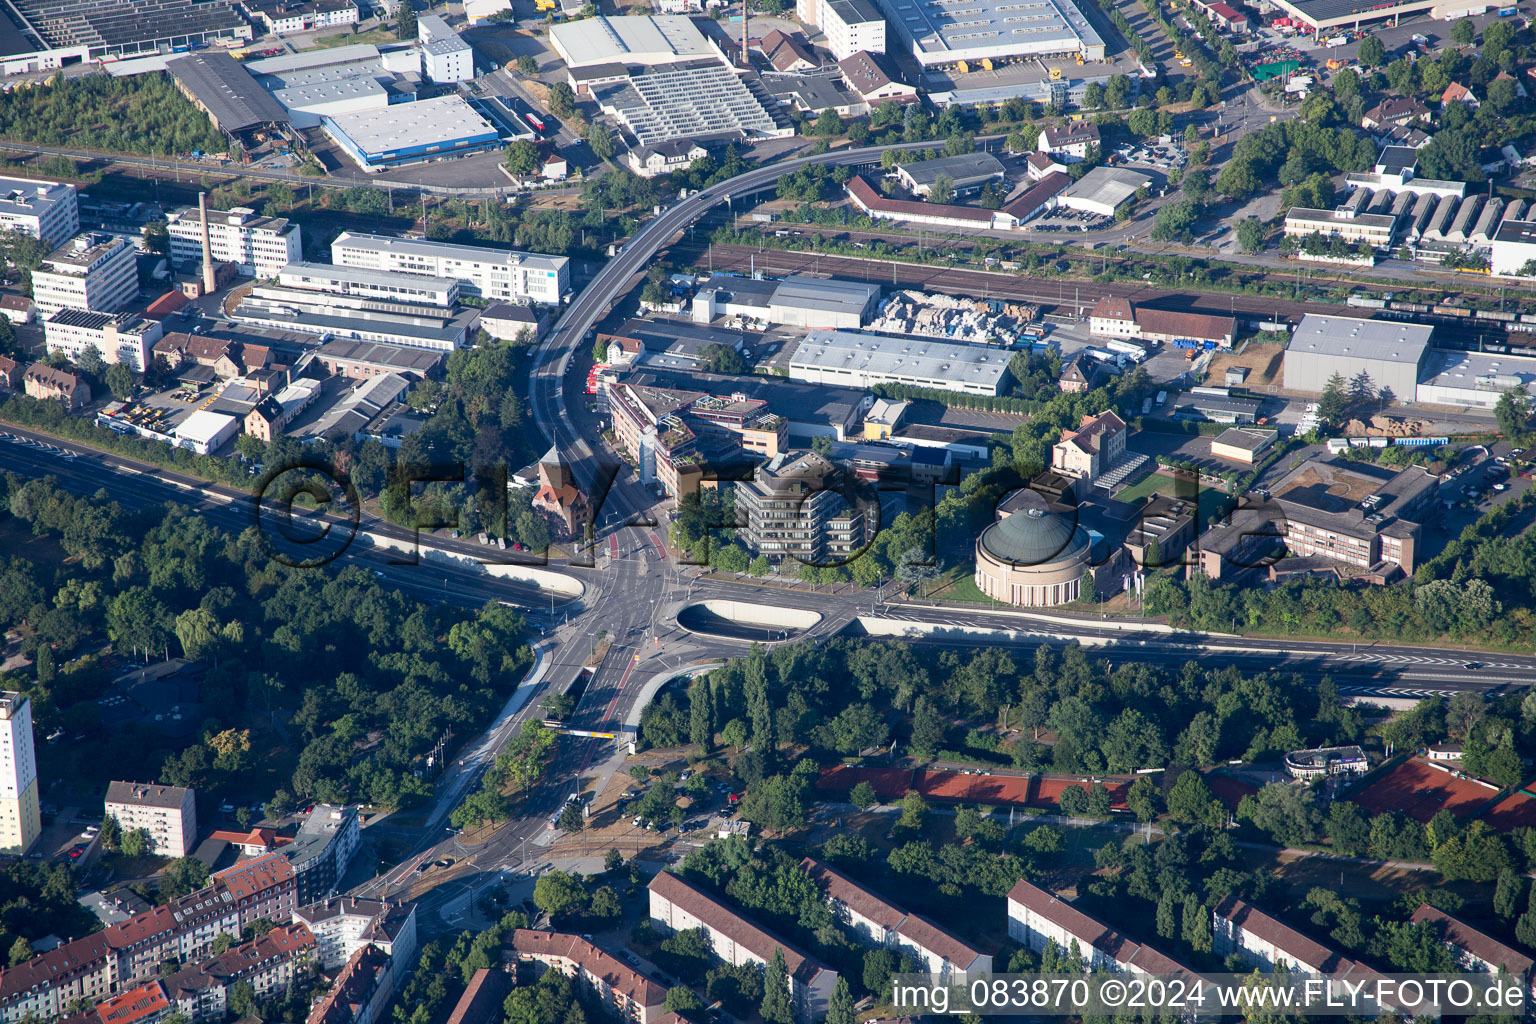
(1063, 219)
(1162, 157)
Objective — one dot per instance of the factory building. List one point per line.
(1374, 229)
(1390, 352)
(795, 301)
(992, 31)
(257, 246)
(496, 274)
(967, 173)
(285, 17)
(412, 133)
(854, 359)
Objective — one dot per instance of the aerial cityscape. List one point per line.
(713, 512)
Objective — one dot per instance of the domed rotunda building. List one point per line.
(1033, 556)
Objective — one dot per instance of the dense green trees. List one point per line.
(367, 678)
(139, 114)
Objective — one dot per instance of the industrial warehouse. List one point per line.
(992, 31)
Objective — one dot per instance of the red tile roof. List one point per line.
(593, 960)
(1460, 935)
(1199, 326)
(723, 919)
(865, 195)
(134, 1004)
(1091, 931)
(1297, 948)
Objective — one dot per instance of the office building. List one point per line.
(285, 17)
(496, 274)
(679, 906)
(1388, 351)
(445, 56)
(167, 813)
(92, 271)
(125, 338)
(859, 360)
(20, 819)
(801, 505)
(673, 436)
(1351, 518)
(1374, 229)
(1037, 917)
(878, 922)
(992, 31)
(1090, 451)
(360, 304)
(850, 26)
(54, 385)
(257, 246)
(46, 210)
(623, 989)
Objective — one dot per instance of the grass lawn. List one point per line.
(1210, 499)
(374, 35)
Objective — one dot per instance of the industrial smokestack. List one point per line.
(210, 282)
(746, 19)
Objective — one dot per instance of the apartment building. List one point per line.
(51, 384)
(1376, 229)
(268, 964)
(321, 851)
(800, 505)
(130, 952)
(90, 271)
(1267, 942)
(146, 1004)
(678, 906)
(257, 246)
(20, 819)
(630, 994)
(671, 434)
(1476, 950)
(361, 991)
(878, 922)
(47, 210)
(496, 274)
(1037, 917)
(125, 338)
(343, 925)
(167, 813)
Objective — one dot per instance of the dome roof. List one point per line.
(1034, 535)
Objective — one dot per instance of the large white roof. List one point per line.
(636, 39)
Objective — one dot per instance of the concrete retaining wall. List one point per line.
(746, 613)
(544, 579)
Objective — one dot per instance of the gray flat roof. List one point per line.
(637, 39)
(952, 29)
(1112, 185)
(1383, 340)
(363, 275)
(795, 400)
(31, 196)
(1477, 371)
(329, 92)
(398, 357)
(1516, 231)
(448, 250)
(232, 97)
(961, 168)
(1311, 216)
(889, 355)
(320, 323)
(313, 59)
(824, 293)
(407, 126)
